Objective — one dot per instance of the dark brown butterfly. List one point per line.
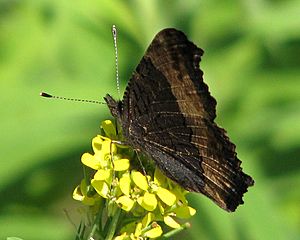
(168, 113)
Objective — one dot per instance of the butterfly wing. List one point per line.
(168, 112)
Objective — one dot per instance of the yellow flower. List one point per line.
(125, 184)
(125, 202)
(101, 187)
(121, 164)
(184, 211)
(171, 222)
(153, 192)
(155, 232)
(103, 150)
(147, 228)
(147, 199)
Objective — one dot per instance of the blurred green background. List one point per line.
(251, 63)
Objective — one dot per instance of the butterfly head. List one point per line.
(114, 106)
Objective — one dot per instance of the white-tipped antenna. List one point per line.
(47, 95)
(114, 32)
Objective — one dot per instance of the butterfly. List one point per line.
(167, 112)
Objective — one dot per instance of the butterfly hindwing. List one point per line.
(168, 113)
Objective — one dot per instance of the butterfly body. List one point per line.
(168, 113)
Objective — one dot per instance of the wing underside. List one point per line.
(169, 113)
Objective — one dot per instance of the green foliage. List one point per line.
(251, 64)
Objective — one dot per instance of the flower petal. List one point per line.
(103, 175)
(171, 222)
(166, 196)
(125, 183)
(77, 195)
(98, 141)
(101, 187)
(148, 201)
(154, 232)
(121, 164)
(138, 230)
(90, 161)
(140, 180)
(103, 144)
(125, 202)
(184, 211)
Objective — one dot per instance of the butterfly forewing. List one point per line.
(168, 113)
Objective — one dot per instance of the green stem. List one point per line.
(95, 227)
(175, 231)
(85, 175)
(113, 225)
(92, 232)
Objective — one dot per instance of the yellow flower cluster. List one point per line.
(146, 200)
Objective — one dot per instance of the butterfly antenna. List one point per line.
(114, 32)
(47, 95)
